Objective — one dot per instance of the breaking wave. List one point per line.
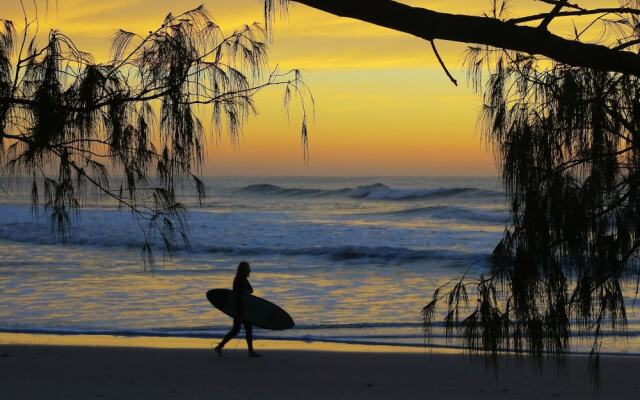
(448, 213)
(268, 189)
(345, 253)
(376, 191)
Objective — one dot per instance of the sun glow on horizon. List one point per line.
(383, 105)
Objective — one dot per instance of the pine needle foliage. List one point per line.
(567, 143)
(568, 147)
(132, 128)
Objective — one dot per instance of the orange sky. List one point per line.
(383, 105)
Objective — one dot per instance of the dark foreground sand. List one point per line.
(99, 372)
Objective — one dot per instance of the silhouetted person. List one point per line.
(241, 288)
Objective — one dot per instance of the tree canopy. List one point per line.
(564, 116)
(527, 34)
(73, 124)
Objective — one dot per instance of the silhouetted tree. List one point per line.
(528, 34)
(72, 123)
(564, 117)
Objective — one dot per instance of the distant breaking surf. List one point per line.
(446, 213)
(376, 191)
(345, 253)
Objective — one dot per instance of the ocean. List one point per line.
(353, 259)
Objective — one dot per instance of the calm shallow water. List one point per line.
(352, 259)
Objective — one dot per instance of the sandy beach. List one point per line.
(115, 368)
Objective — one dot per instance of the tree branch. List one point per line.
(444, 67)
(577, 13)
(555, 2)
(430, 25)
(554, 13)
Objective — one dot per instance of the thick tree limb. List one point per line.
(429, 25)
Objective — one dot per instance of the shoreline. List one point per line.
(19, 337)
(176, 342)
(73, 367)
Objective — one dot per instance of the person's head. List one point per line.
(243, 269)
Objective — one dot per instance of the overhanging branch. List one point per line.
(430, 25)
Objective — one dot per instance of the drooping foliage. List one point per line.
(568, 147)
(139, 119)
(566, 141)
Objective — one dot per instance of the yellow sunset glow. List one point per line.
(383, 105)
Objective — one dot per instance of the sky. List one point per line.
(383, 104)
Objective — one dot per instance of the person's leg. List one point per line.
(248, 331)
(232, 333)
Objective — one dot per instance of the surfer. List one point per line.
(241, 287)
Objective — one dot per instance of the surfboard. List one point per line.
(258, 311)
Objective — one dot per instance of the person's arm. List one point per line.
(249, 288)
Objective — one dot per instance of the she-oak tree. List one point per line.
(564, 117)
(73, 123)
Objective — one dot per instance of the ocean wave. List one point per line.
(268, 189)
(448, 213)
(379, 191)
(376, 191)
(247, 234)
(39, 234)
(346, 253)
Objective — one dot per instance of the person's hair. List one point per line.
(243, 267)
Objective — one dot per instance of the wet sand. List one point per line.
(166, 369)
